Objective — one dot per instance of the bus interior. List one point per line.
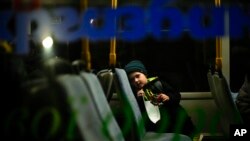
(76, 87)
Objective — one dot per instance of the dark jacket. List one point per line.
(174, 118)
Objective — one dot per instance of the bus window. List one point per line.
(183, 62)
(239, 61)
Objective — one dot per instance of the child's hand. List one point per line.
(162, 97)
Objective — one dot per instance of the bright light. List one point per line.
(91, 21)
(47, 42)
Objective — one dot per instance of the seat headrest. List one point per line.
(57, 66)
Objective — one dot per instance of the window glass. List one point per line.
(240, 54)
(183, 62)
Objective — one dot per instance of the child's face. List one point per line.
(137, 79)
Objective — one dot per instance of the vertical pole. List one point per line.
(218, 61)
(225, 51)
(85, 55)
(112, 54)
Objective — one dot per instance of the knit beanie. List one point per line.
(135, 66)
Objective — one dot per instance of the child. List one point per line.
(173, 117)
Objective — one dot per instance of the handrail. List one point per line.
(112, 54)
(85, 55)
(7, 48)
(218, 60)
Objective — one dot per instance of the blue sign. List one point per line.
(128, 23)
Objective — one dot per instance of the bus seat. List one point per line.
(226, 104)
(56, 66)
(212, 87)
(85, 97)
(45, 113)
(130, 102)
(78, 66)
(102, 106)
(106, 77)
